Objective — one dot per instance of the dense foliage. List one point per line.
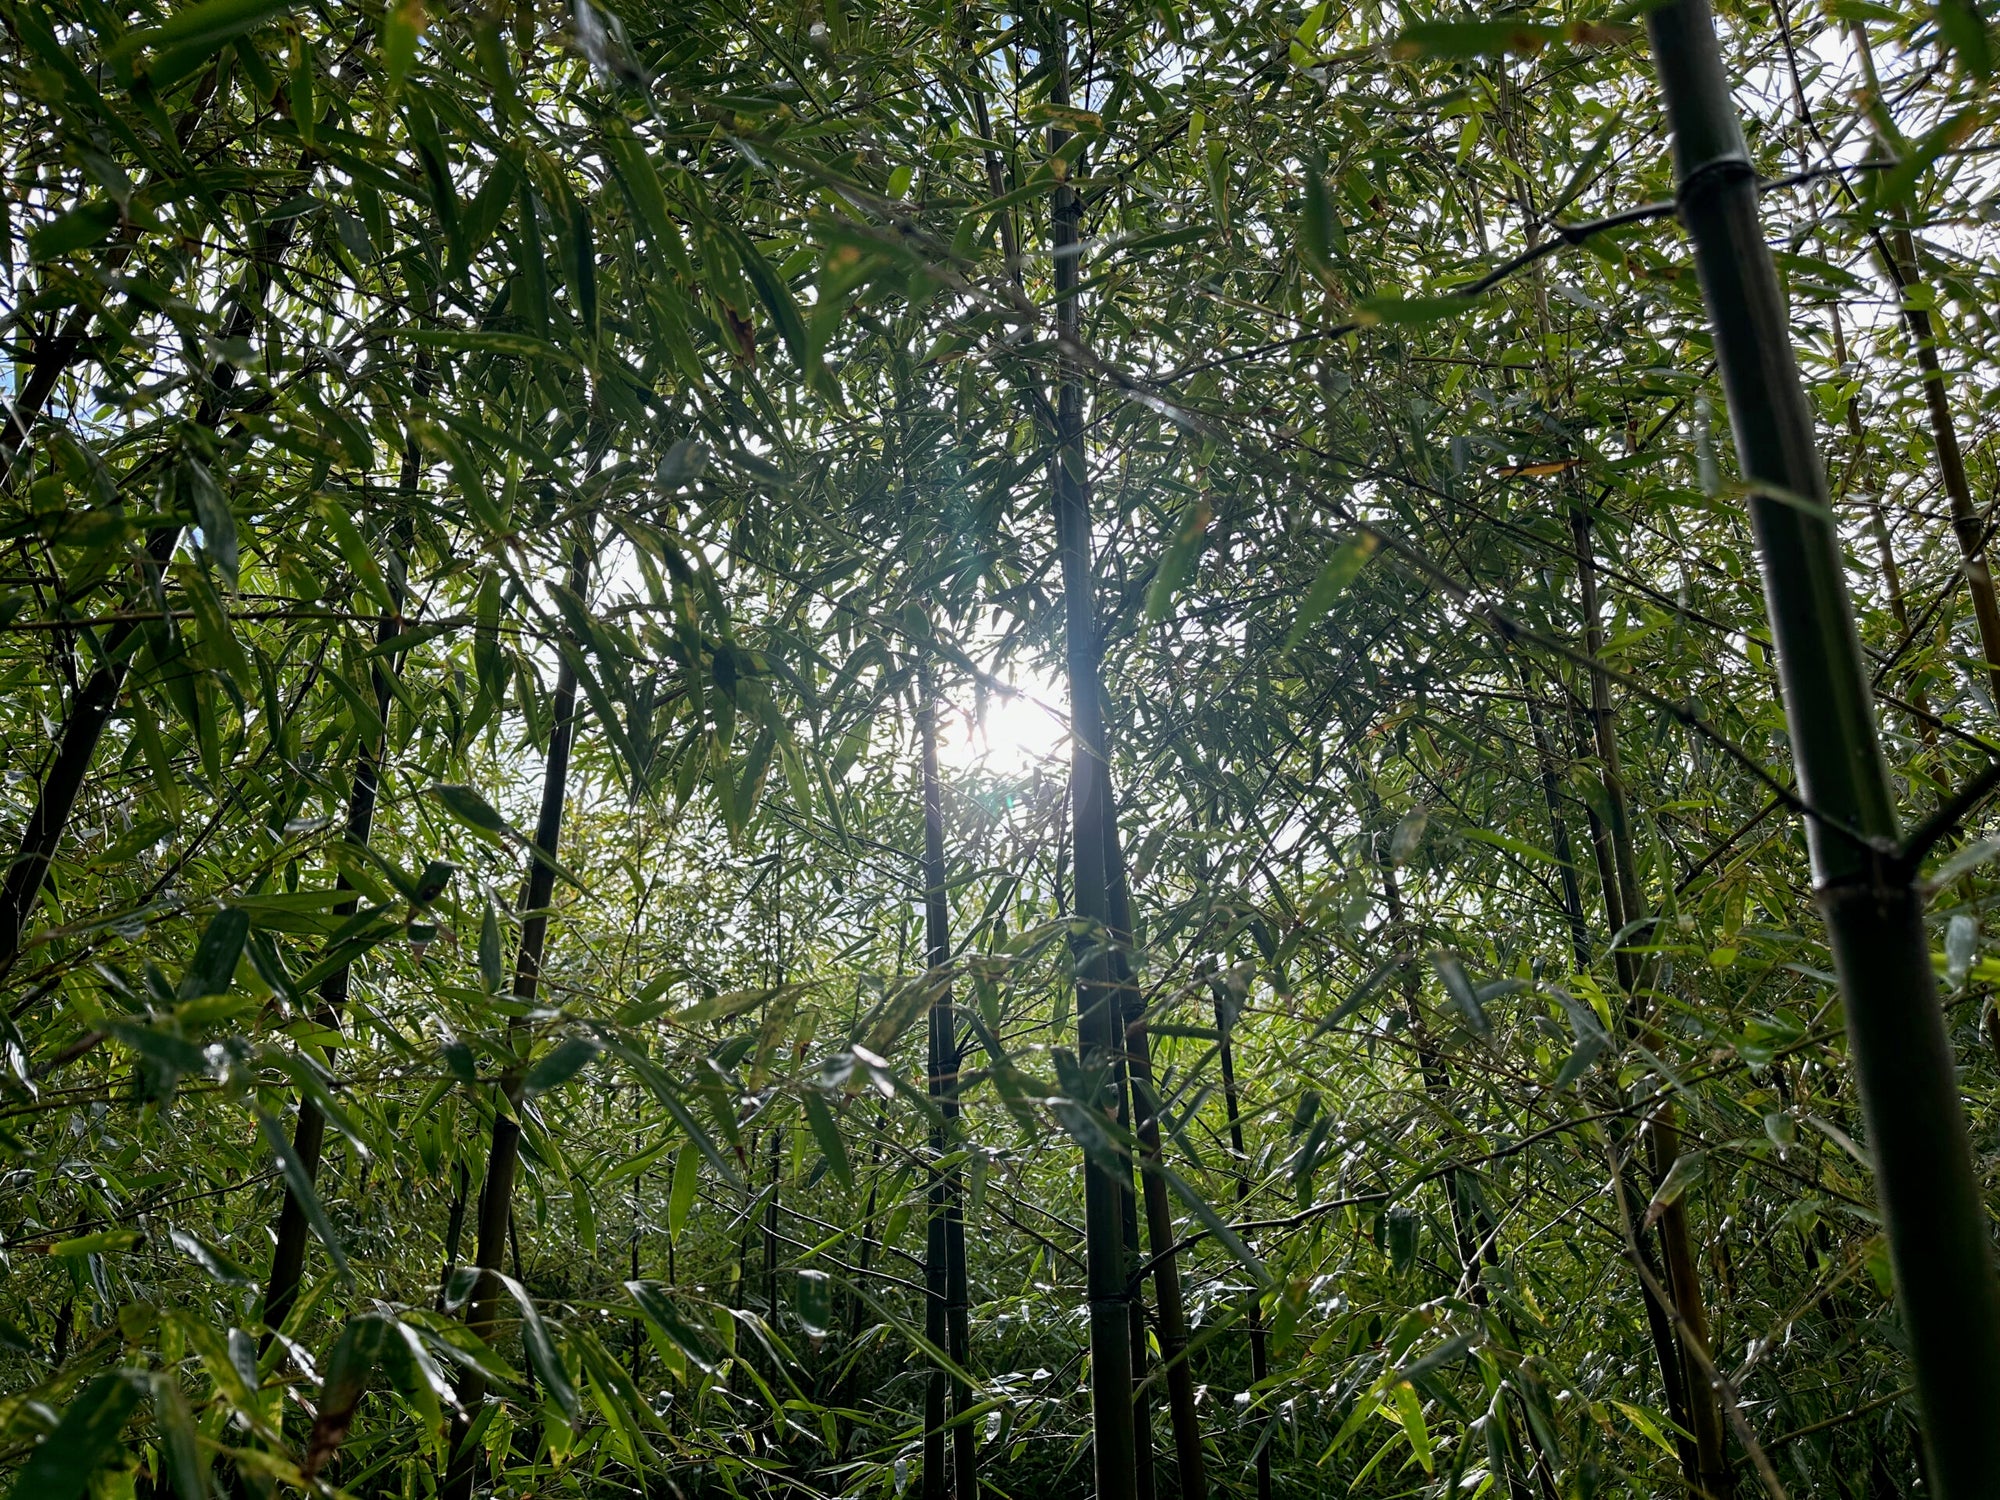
(435, 430)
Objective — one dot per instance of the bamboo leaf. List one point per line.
(1687, 1170)
(569, 1058)
(213, 968)
(657, 1303)
(1339, 571)
(471, 809)
(826, 1134)
(355, 1355)
(293, 1171)
(84, 1442)
(542, 1356)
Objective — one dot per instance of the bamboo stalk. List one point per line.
(1191, 1465)
(1098, 1042)
(54, 352)
(1559, 840)
(947, 1312)
(309, 1132)
(1931, 1205)
(1253, 1316)
(1878, 528)
(91, 709)
(1710, 1475)
(496, 1197)
(1897, 250)
(454, 1228)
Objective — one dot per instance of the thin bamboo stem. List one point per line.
(947, 1309)
(1253, 1315)
(91, 709)
(496, 1198)
(1190, 1463)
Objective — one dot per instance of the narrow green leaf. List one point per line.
(1318, 228)
(402, 28)
(812, 1302)
(580, 253)
(1466, 39)
(219, 1266)
(294, 1173)
(1177, 562)
(78, 229)
(1340, 570)
(569, 1058)
(1688, 1169)
(774, 294)
(1964, 29)
(1402, 310)
(353, 1360)
(179, 1448)
(471, 809)
(85, 1440)
(542, 1355)
(1410, 1412)
(657, 1303)
(650, 1074)
(649, 199)
(687, 1178)
(213, 968)
(492, 962)
(103, 1242)
(214, 520)
(1459, 987)
(826, 1133)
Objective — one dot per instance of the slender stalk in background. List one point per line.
(947, 1310)
(1253, 1313)
(1190, 1463)
(453, 1230)
(1878, 528)
(1931, 1205)
(309, 1132)
(496, 1196)
(1897, 250)
(1559, 840)
(1710, 1474)
(91, 709)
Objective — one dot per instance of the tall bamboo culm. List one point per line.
(63, 774)
(948, 1321)
(1929, 1196)
(1705, 1460)
(1097, 998)
(1190, 1463)
(288, 1256)
(496, 1194)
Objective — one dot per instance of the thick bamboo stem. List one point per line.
(1097, 999)
(1939, 1242)
(76, 746)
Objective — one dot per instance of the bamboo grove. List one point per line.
(1122, 749)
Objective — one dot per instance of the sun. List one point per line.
(1007, 729)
